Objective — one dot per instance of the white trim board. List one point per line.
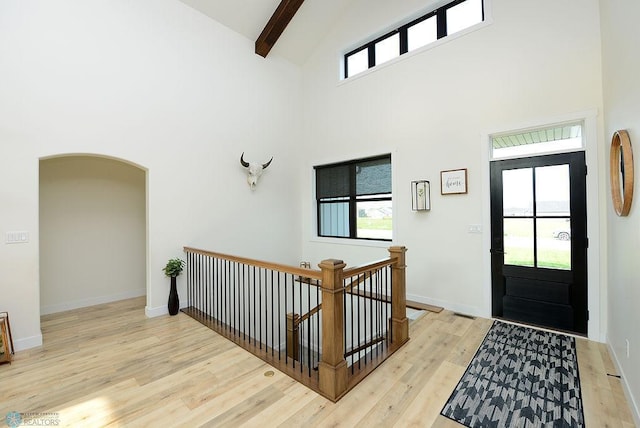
(27, 343)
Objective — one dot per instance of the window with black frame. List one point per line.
(437, 24)
(354, 199)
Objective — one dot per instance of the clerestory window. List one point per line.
(437, 24)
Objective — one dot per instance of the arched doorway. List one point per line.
(92, 231)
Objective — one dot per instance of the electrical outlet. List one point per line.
(628, 350)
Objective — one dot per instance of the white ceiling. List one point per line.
(248, 17)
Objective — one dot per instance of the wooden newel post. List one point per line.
(333, 367)
(292, 336)
(399, 322)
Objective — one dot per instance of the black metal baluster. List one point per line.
(298, 326)
(199, 285)
(203, 289)
(203, 280)
(309, 362)
(260, 307)
(208, 288)
(221, 290)
(293, 308)
(272, 326)
(223, 293)
(364, 315)
(253, 312)
(244, 301)
(319, 314)
(389, 287)
(227, 317)
(196, 272)
(232, 293)
(350, 309)
(359, 326)
(215, 284)
(234, 305)
(280, 320)
(379, 306)
(205, 286)
(371, 317)
(189, 282)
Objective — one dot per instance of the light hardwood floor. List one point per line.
(109, 365)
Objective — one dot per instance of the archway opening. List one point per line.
(92, 232)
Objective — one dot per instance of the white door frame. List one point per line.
(596, 265)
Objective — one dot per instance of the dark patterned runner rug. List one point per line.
(519, 377)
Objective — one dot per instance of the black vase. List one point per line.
(174, 301)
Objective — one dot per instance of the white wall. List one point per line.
(156, 84)
(536, 60)
(92, 232)
(621, 68)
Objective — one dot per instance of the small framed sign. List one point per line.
(453, 181)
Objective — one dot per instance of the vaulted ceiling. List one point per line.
(249, 17)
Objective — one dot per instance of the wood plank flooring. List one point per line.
(109, 365)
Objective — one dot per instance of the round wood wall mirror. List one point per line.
(621, 172)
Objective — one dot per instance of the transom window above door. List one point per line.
(551, 139)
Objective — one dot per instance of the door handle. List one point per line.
(496, 251)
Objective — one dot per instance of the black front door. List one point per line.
(539, 241)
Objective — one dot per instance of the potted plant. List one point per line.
(173, 268)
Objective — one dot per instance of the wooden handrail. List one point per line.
(364, 346)
(309, 314)
(304, 272)
(370, 295)
(358, 270)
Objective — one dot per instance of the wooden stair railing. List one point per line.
(332, 376)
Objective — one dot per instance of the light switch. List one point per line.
(17, 237)
(475, 228)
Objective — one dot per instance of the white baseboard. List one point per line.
(156, 312)
(454, 307)
(92, 301)
(162, 310)
(27, 343)
(635, 411)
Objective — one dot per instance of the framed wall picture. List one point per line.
(6, 341)
(453, 181)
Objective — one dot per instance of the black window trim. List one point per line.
(352, 198)
(441, 21)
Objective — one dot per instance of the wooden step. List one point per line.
(423, 306)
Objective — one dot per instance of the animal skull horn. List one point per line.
(255, 170)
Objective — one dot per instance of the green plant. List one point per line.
(174, 267)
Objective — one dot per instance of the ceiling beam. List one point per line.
(276, 25)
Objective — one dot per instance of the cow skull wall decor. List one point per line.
(254, 169)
